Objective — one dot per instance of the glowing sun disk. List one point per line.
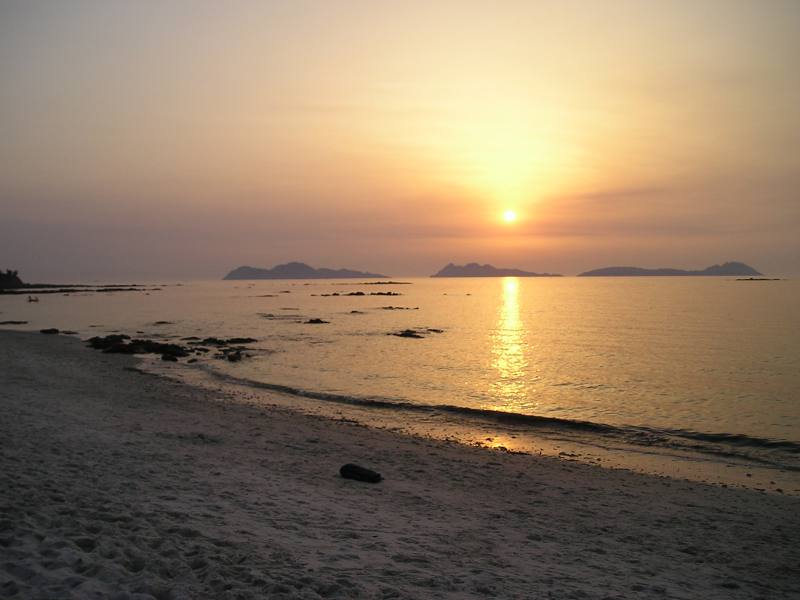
(510, 216)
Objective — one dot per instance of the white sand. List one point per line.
(123, 485)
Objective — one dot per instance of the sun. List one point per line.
(510, 216)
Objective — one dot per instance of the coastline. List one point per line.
(120, 482)
(694, 457)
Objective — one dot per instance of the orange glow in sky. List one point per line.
(396, 137)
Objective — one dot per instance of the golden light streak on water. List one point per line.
(509, 350)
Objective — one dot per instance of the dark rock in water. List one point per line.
(163, 323)
(121, 348)
(385, 294)
(13, 322)
(351, 294)
(316, 321)
(758, 279)
(416, 333)
(234, 356)
(356, 312)
(175, 350)
(351, 471)
(214, 341)
(116, 344)
(69, 332)
(169, 357)
(408, 333)
(50, 331)
(103, 342)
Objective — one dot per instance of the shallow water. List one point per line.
(671, 361)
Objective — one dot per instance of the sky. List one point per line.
(151, 139)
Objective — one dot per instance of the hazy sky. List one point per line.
(182, 139)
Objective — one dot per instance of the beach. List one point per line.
(121, 484)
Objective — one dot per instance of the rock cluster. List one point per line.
(123, 344)
(416, 333)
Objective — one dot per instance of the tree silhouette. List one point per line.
(10, 279)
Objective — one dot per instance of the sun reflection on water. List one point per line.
(508, 349)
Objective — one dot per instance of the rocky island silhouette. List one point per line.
(736, 269)
(298, 270)
(478, 270)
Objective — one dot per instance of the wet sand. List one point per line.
(120, 484)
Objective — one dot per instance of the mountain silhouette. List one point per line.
(729, 268)
(298, 270)
(476, 270)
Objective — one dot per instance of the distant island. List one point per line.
(476, 270)
(729, 268)
(298, 270)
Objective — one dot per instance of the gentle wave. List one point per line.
(778, 453)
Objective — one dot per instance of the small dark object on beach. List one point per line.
(432, 330)
(351, 471)
(242, 340)
(356, 312)
(163, 323)
(192, 360)
(69, 332)
(13, 322)
(316, 321)
(408, 333)
(169, 357)
(50, 331)
(235, 356)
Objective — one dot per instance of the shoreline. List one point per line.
(131, 484)
(497, 430)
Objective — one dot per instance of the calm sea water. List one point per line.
(652, 356)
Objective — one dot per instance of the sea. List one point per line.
(688, 377)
